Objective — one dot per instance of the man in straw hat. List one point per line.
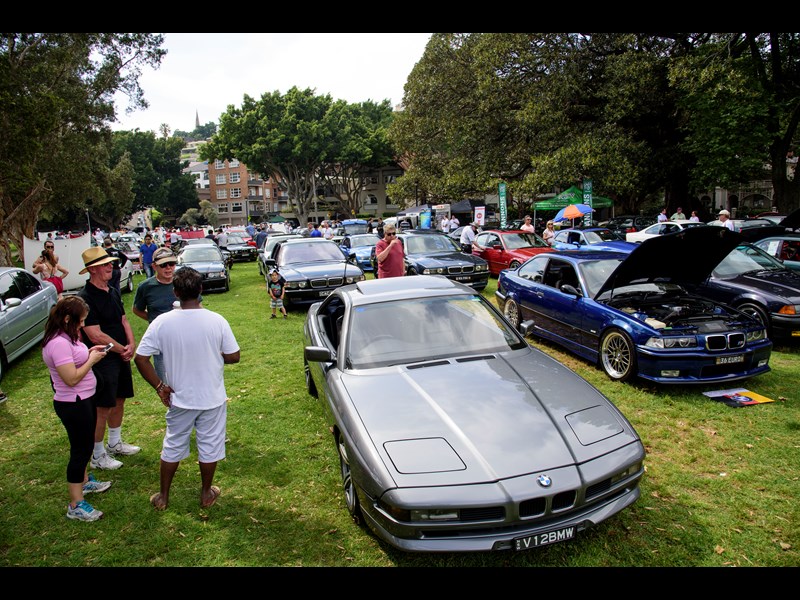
(107, 323)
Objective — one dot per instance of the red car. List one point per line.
(508, 249)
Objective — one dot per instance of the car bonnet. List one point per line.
(688, 256)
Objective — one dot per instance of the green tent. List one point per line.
(571, 196)
(276, 219)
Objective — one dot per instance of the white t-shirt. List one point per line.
(192, 343)
(468, 235)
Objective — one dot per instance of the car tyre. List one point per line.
(348, 486)
(511, 312)
(227, 284)
(756, 312)
(129, 285)
(514, 264)
(310, 386)
(618, 355)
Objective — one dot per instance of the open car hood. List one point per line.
(688, 256)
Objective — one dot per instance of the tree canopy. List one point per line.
(56, 99)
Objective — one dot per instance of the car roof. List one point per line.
(372, 291)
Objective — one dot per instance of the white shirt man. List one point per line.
(445, 224)
(468, 235)
(725, 219)
(326, 231)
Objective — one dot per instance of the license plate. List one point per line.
(543, 539)
(727, 360)
(463, 278)
(325, 293)
(796, 334)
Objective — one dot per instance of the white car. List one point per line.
(656, 229)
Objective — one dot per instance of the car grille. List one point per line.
(464, 269)
(541, 509)
(730, 341)
(324, 283)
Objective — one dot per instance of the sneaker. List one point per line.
(104, 461)
(83, 511)
(284, 316)
(122, 448)
(94, 486)
(272, 317)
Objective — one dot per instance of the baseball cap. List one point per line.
(164, 255)
(724, 212)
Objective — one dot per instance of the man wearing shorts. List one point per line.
(196, 344)
(106, 324)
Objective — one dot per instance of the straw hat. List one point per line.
(94, 257)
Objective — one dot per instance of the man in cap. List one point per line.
(468, 235)
(725, 219)
(155, 295)
(107, 323)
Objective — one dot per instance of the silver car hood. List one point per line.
(457, 422)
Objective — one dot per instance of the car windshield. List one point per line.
(351, 228)
(747, 259)
(424, 244)
(235, 239)
(596, 272)
(309, 252)
(601, 235)
(200, 253)
(515, 241)
(368, 239)
(423, 329)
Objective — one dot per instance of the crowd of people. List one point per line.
(88, 348)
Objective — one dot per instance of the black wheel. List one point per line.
(348, 486)
(618, 355)
(511, 312)
(514, 264)
(129, 284)
(755, 312)
(227, 283)
(312, 389)
(411, 271)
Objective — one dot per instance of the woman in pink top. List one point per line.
(70, 363)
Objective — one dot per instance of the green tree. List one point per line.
(360, 143)
(56, 98)
(283, 137)
(159, 181)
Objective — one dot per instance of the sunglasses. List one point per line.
(169, 264)
(387, 233)
(49, 247)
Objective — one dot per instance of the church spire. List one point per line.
(196, 119)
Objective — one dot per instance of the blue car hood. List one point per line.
(481, 421)
(685, 257)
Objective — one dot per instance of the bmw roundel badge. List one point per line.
(544, 480)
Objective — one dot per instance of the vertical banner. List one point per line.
(502, 193)
(587, 200)
(425, 219)
(480, 215)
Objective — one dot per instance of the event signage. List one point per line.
(587, 200)
(502, 194)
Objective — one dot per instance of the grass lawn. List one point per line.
(721, 487)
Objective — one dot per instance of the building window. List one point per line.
(222, 194)
(268, 193)
(222, 207)
(220, 180)
(236, 192)
(389, 179)
(218, 164)
(236, 207)
(236, 177)
(372, 199)
(233, 163)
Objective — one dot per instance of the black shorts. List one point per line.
(114, 380)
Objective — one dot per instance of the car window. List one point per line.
(746, 259)
(310, 252)
(27, 284)
(424, 329)
(200, 253)
(8, 288)
(533, 270)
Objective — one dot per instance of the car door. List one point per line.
(492, 251)
(562, 312)
(22, 325)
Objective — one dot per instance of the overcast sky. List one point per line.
(203, 73)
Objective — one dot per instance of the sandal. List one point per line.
(215, 492)
(154, 500)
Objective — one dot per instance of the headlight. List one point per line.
(295, 285)
(436, 271)
(754, 336)
(672, 342)
(354, 278)
(405, 515)
(216, 275)
(481, 268)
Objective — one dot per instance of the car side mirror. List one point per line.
(569, 289)
(497, 247)
(318, 354)
(526, 327)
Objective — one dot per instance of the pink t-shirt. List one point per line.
(60, 351)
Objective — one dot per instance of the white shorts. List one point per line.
(210, 427)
